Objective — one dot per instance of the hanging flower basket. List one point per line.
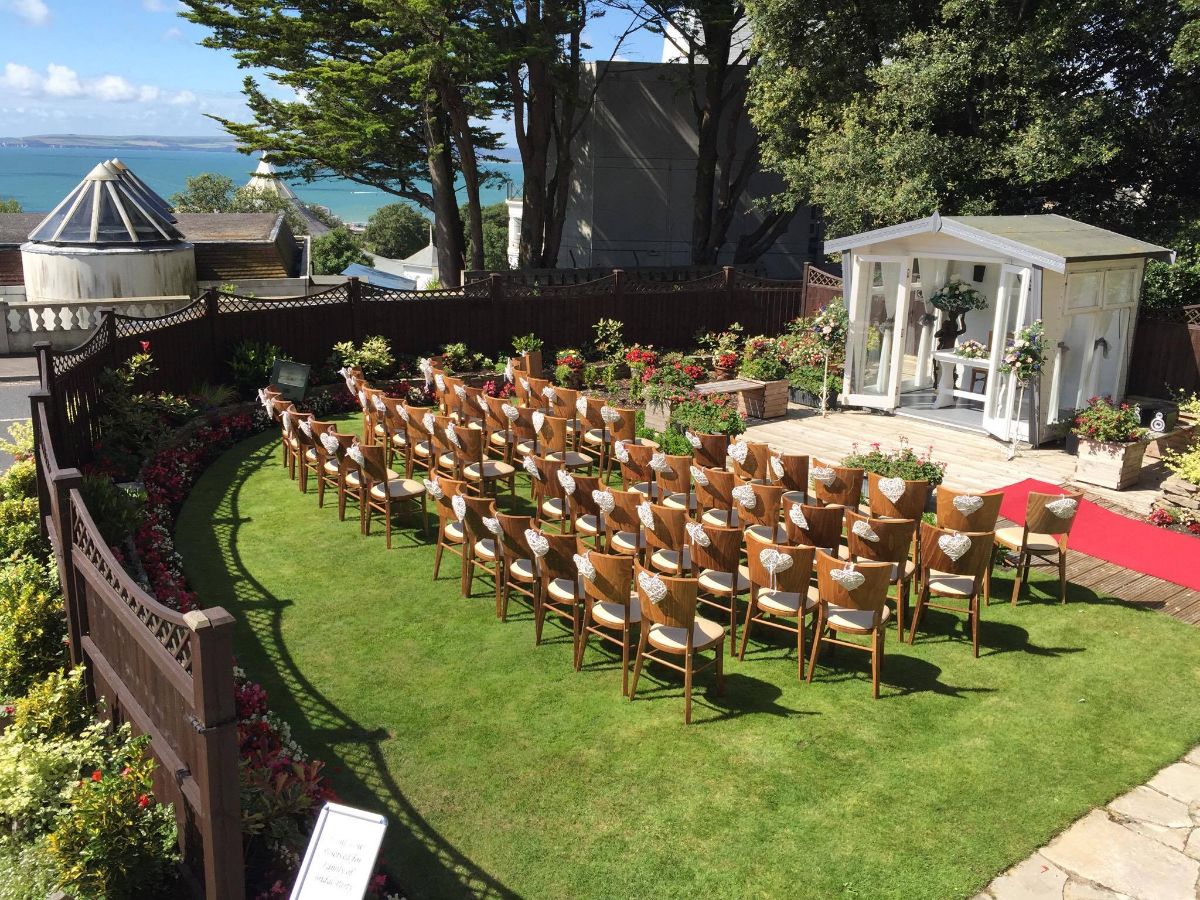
(957, 297)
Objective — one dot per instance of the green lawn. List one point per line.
(504, 772)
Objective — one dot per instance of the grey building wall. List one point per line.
(631, 199)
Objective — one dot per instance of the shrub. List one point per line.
(20, 440)
(335, 250)
(113, 840)
(32, 624)
(671, 380)
(373, 356)
(762, 359)
(396, 230)
(1186, 465)
(116, 512)
(20, 481)
(250, 365)
(1169, 287)
(903, 462)
(609, 342)
(210, 396)
(1104, 422)
(526, 343)
(458, 357)
(19, 529)
(721, 343)
(708, 414)
(55, 706)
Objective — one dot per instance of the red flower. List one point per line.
(145, 346)
(97, 775)
(143, 801)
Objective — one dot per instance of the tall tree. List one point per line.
(885, 111)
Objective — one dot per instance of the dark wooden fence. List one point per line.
(1166, 356)
(171, 675)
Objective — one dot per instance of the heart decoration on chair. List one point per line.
(539, 419)
(738, 451)
(427, 370)
(355, 453)
(699, 477)
(692, 439)
(1064, 507)
(774, 562)
(440, 382)
(492, 524)
(481, 401)
(458, 503)
(849, 578)
(824, 475)
(508, 372)
(265, 400)
(744, 494)
(403, 412)
(652, 586)
(550, 393)
(586, 569)
(968, 504)
(864, 530)
(620, 452)
(581, 405)
(567, 481)
(510, 412)
(796, 514)
(452, 437)
(380, 406)
(646, 515)
(362, 399)
(605, 502)
(433, 489)
(955, 545)
(892, 488)
(287, 422)
(460, 392)
(524, 384)
(538, 545)
(330, 442)
(777, 467)
(531, 467)
(344, 371)
(697, 533)
(658, 462)
(306, 427)
(609, 414)
(428, 421)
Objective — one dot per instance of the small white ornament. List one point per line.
(796, 514)
(453, 438)
(968, 504)
(433, 489)
(428, 421)
(1064, 507)
(266, 401)
(658, 462)
(892, 488)
(653, 587)
(287, 422)
(697, 533)
(362, 399)
(864, 530)
(508, 371)
(481, 401)
(460, 392)
(585, 567)
(539, 419)
(427, 370)
(738, 451)
(510, 412)
(955, 545)
(693, 440)
(459, 504)
(609, 414)
(620, 452)
(492, 524)
(440, 382)
(849, 577)
(567, 480)
(646, 515)
(330, 442)
(531, 467)
(699, 477)
(355, 453)
(605, 502)
(581, 405)
(306, 427)
(380, 406)
(774, 562)
(744, 494)
(403, 413)
(824, 475)
(524, 384)
(550, 393)
(538, 544)
(777, 467)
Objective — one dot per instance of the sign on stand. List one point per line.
(341, 854)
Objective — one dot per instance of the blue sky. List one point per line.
(120, 67)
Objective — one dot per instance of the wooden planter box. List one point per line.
(1114, 466)
(768, 402)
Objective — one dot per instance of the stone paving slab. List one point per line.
(1145, 845)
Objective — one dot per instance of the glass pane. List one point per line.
(873, 360)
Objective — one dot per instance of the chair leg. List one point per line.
(816, 650)
(501, 577)
(1017, 578)
(624, 660)
(733, 610)
(637, 667)
(922, 600)
(468, 572)
(687, 686)
(581, 649)
(975, 625)
(746, 630)
(387, 521)
(539, 618)
(719, 690)
(987, 579)
(875, 665)
(424, 515)
(437, 558)
(1062, 576)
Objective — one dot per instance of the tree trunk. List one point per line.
(535, 161)
(710, 111)
(447, 225)
(469, 165)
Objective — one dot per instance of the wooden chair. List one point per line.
(522, 387)
(444, 448)
(564, 403)
(666, 539)
(781, 592)
(709, 451)
(636, 474)
(587, 519)
(548, 491)
(561, 591)
(595, 434)
(751, 460)
(420, 441)
(852, 602)
(836, 485)
(554, 443)
(383, 487)
(610, 604)
(815, 526)
(537, 393)
(480, 533)
(760, 519)
(716, 554)
(451, 533)
(952, 568)
(518, 571)
(622, 427)
(671, 628)
(1048, 521)
(673, 479)
(290, 446)
(898, 498)
(397, 426)
(714, 497)
(331, 447)
(473, 467)
(792, 472)
(624, 526)
(472, 407)
(884, 540)
(965, 511)
(498, 425)
(306, 449)
(376, 414)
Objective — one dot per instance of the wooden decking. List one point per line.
(979, 463)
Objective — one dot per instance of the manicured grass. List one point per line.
(503, 771)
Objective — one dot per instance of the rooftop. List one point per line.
(109, 207)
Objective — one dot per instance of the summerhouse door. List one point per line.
(1011, 312)
(878, 311)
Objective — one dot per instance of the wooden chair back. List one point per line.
(582, 501)
(795, 472)
(711, 454)
(636, 468)
(375, 463)
(821, 528)
(966, 511)
(473, 408)
(624, 426)
(722, 553)
(1040, 515)
(553, 435)
(868, 596)
(592, 416)
(909, 505)
(675, 610)
(676, 477)
(394, 411)
(302, 423)
(667, 531)
(414, 417)
(973, 562)
(624, 516)
(562, 403)
(495, 418)
(793, 580)
(614, 576)
(537, 392)
(878, 540)
(559, 561)
(767, 501)
(845, 489)
(522, 428)
(450, 488)
(757, 464)
(478, 508)
(513, 543)
(522, 386)
(469, 450)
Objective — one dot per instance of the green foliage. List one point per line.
(26, 871)
(18, 528)
(113, 841)
(903, 462)
(814, 350)
(526, 343)
(334, 250)
(563, 375)
(495, 236)
(711, 414)
(396, 230)
(590, 376)
(374, 356)
(457, 357)
(20, 440)
(210, 192)
(1106, 422)
(1168, 287)
(672, 378)
(718, 343)
(132, 423)
(1189, 404)
(32, 624)
(19, 481)
(762, 359)
(956, 297)
(54, 707)
(609, 342)
(211, 396)
(116, 512)
(250, 365)
(9, 205)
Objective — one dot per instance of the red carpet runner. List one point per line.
(1114, 538)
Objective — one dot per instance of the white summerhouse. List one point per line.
(1083, 282)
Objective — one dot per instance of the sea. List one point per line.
(39, 177)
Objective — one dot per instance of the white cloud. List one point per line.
(172, 34)
(154, 5)
(147, 93)
(112, 89)
(61, 81)
(183, 98)
(35, 12)
(20, 80)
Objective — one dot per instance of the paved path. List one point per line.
(1144, 845)
(18, 376)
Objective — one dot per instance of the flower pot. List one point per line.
(1114, 466)
(533, 362)
(807, 398)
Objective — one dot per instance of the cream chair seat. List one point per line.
(673, 639)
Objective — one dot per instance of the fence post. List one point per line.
(618, 283)
(4, 342)
(108, 321)
(355, 298)
(495, 287)
(62, 483)
(216, 768)
(212, 303)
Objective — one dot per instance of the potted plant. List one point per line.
(707, 414)
(673, 379)
(763, 361)
(956, 298)
(529, 348)
(972, 350)
(721, 347)
(568, 367)
(1111, 444)
(725, 366)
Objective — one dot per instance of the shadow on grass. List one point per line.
(318, 723)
